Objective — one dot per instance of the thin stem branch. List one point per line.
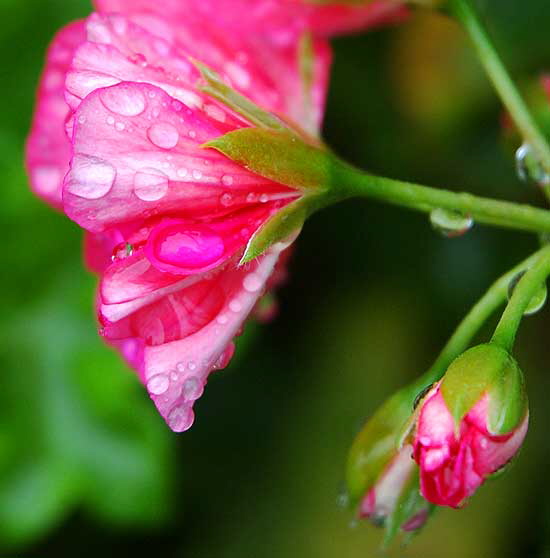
(349, 182)
(525, 290)
(493, 298)
(502, 82)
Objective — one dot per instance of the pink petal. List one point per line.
(131, 164)
(48, 149)
(188, 334)
(147, 49)
(283, 20)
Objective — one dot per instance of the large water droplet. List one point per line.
(180, 418)
(123, 101)
(90, 177)
(187, 247)
(192, 389)
(150, 184)
(528, 166)
(163, 134)
(538, 300)
(158, 384)
(451, 223)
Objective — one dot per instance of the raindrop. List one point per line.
(192, 389)
(123, 101)
(528, 167)
(451, 223)
(226, 199)
(538, 300)
(180, 418)
(121, 251)
(163, 134)
(150, 184)
(252, 282)
(235, 305)
(90, 177)
(158, 384)
(227, 180)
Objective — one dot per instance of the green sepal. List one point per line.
(280, 156)
(215, 87)
(409, 504)
(286, 223)
(486, 369)
(376, 445)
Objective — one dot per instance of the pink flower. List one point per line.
(281, 20)
(455, 462)
(168, 219)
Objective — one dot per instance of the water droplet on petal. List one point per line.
(225, 357)
(150, 184)
(235, 305)
(251, 197)
(451, 223)
(180, 418)
(90, 177)
(163, 134)
(192, 389)
(264, 198)
(226, 199)
(123, 101)
(252, 282)
(180, 366)
(197, 174)
(158, 384)
(227, 180)
(120, 126)
(183, 172)
(121, 251)
(192, 365)
(185, 246)
(537, 302)
(110, 120)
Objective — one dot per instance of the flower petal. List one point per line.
(48, 149)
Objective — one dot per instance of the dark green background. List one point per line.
(87, 467)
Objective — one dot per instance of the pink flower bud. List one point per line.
(456, 459)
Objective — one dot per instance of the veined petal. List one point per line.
(137, 154)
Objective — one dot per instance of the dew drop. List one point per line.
(235, 305)
(227, 180)
(192, 365)
(182, 173)
(82, 119)
(225, 357)
(252, 282)
(180, 418)
(192, 134)
(537, 302)
(110, 120)
(450, 223)
(528, 167)
(192, 389)
(158, 384)
(120, 126)
(180, 366)
(90, 177)
(122, 251)
(123, 101)
(226, 199)
(163, 134)
(251, 197)
(197, 174)
(264, 198)
(222, 319)
(150, 184)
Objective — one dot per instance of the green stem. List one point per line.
(525, 290)
(348, 181)
(502, 82)
(494, 297)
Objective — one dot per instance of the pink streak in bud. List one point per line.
(381, 500)
(453, 467)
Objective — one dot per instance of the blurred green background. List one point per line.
(88, 468)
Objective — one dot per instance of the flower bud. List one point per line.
(470, 424)
(382, 477)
